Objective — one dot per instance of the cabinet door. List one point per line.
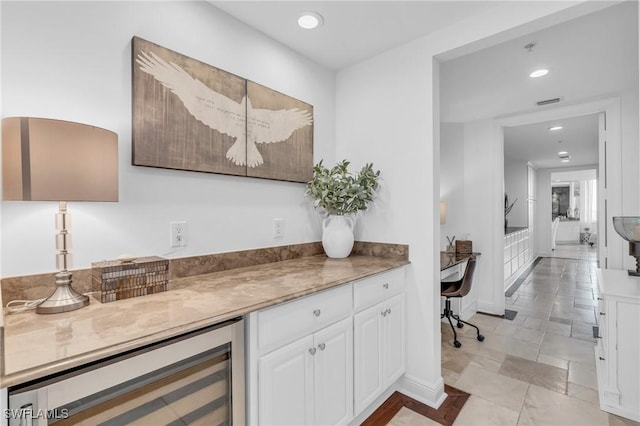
(333, 374)
(367, 361)
(394, 340)
(285, 384)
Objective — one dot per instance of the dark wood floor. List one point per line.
(445, 415)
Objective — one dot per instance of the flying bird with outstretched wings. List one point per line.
(224, 114)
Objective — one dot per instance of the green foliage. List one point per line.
(339, 192)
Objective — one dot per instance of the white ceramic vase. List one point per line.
(337, 236)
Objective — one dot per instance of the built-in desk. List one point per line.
(451, 264)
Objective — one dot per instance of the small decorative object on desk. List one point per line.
(450, 247)
(464, 247)
(122, 279)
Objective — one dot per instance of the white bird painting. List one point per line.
(225, 115)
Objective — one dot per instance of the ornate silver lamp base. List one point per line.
(64, 298)
(634, 251)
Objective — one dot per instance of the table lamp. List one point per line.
(54, 160)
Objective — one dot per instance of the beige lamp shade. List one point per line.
(443, 213)
(54, 160)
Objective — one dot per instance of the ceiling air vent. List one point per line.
(548, 101)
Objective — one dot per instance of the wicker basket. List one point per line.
(115, 280)
(464, 247)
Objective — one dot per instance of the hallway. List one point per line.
(538, 369)
(576, 251)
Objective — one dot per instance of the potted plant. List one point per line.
(507, 209)
(341, 194)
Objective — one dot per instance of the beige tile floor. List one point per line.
(538, 369)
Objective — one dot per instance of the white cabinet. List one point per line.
(311, 361)
(618, 343)
(518, 254)
(393, 332)
(300, 364)
(380, 347)
(309, 381)
(568, 231)
(333, 374)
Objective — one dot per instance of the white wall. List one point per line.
(629, 125)
(484, 208)
(516, 186)
(452, 180)
(72, 61)
(387, 112)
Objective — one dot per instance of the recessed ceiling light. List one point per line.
(539, 73)
(555, 128)
(310, 20)
(563, 153)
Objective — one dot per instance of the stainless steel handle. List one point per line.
(602, 313)
(383, 313)
(26, 415)
(312, 351)
(601, 359)
(388, 310)
(316, 312)
(386, 286)
(321, 346)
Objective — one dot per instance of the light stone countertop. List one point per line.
(39, 345)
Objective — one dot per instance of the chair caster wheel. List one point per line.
(460, 325)
(457, 344)
(480, 337)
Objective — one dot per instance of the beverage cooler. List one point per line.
(193, 379)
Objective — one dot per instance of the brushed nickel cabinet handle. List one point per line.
(321, 346)
(316, 312)
(312, 351)
(386, 286)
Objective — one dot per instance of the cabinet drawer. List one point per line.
(284, 323)
(371, 290)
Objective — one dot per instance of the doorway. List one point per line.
(574, 212)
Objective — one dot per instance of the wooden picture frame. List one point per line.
(188, 115)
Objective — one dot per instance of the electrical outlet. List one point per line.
(278, 228)
(178, 234)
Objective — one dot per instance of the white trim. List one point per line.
(519, 272)
(611, 106)
(4, 405)
(432, 395)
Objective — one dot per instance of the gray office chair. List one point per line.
(459, 288)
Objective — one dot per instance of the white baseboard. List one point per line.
(433, 396)
(469, 311)
(488, 308)
(430, 394)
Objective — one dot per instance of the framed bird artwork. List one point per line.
(188, 115)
